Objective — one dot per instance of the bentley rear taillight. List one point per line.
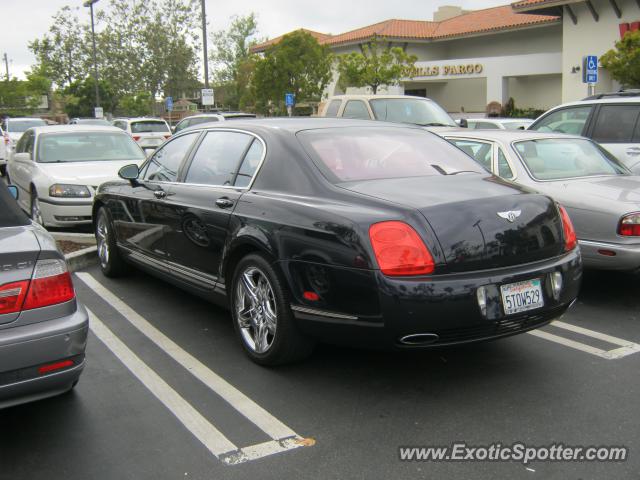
(399, 250)
(570, 238)
(630, 225)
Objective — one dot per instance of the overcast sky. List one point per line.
(24, 20)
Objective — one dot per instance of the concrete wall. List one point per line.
(538, 91)
(589, 37)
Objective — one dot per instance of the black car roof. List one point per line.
(296, 124)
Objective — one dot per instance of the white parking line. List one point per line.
(284, 438)
(626, 347)
(208, 435)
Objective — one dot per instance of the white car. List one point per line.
(15, 127)
(200, 118)
(57, 169)
(499, 123)
(611, 119)
(148, 132)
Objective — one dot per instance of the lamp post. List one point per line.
(89, 3)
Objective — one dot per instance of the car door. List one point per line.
(201, 205)
(615, 128)
(140, 217)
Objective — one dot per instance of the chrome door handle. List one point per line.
(224, 203)
(633, 151)
(159, 194)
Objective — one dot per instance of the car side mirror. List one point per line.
(13, 190)
(464, 123)
(22, 157)
(129, 172)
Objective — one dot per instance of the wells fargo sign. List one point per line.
(448, 70)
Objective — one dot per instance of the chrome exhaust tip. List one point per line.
(418, 339)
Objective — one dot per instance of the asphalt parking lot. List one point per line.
(168, 393)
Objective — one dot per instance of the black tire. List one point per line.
(288, 344)
(112, 264)
(34, 209)
(3, 170)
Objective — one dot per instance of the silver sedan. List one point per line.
(601, 195)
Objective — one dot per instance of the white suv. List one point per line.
(148, 132)
(612, 120)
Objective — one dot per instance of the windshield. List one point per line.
(23, 125)
(87, 147)
(411, 110)
(551, 159)
(149, 126)
(353, 154)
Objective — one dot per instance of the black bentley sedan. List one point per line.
(340, 231)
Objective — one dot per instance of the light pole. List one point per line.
(204, 45)
(89, 3)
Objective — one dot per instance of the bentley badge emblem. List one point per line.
(511, 215)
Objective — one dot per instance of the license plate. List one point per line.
(521, 296)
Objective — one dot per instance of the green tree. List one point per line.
(232, 59)
(80, 100)
(623, 61)
(378, 64)
(136, 105)
(297, 64)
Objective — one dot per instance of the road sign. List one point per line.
(207, 96)
(590, 69)
(169, 103)
(289, 99)
(98, 112)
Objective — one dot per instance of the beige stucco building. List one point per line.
(530, 51)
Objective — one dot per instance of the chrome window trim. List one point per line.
(237, 130)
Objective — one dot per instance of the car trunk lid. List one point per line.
(479, 224)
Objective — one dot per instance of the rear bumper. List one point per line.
(24, 349)
(626, 258)
(444, 307)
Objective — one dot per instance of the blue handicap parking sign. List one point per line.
(169, 103)
(289, 99)
(590, 69)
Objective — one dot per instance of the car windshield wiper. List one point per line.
(442, 171)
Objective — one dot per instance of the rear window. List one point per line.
(149, 126)
(23, 125)
(553, 159)
(353, 154)
(194, 121)
(10, 213)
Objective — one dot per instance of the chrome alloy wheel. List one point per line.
(256, 311)
(36, 213)
(102, 240)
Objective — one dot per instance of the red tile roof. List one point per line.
(320, 37)
(479, 21)
(527, 5)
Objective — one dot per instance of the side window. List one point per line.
(615, 123)
(164, 164)
(218, 157)
(479, 151)
(20, 146)
(332, 109)
(121, 125)
(249, 164)
(504, 169)
(29, 142)
(356, 109)
(567, 120)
